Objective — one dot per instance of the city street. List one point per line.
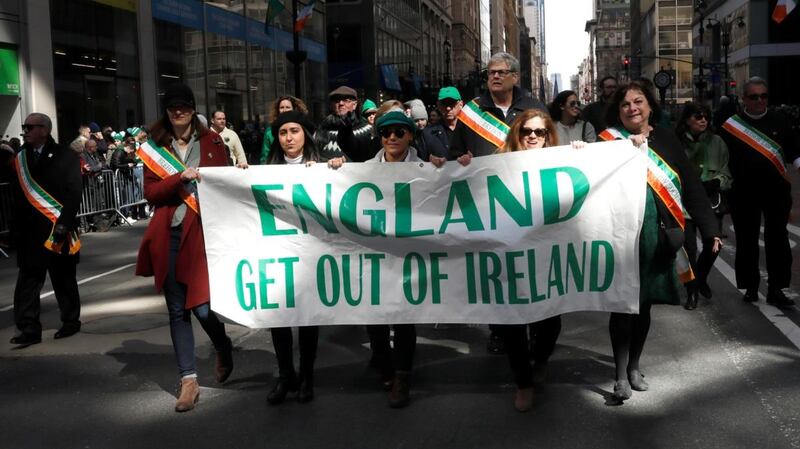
(723, 376)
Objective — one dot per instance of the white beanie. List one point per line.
(418, 110)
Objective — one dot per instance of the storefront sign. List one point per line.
(511, 238)
(188, 13)
(9, 72)
(225, 23)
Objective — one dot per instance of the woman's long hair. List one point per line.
(558, 103)
(297, 105)
(513, 138)
(310, 152)
(691, 108)
(612, 111)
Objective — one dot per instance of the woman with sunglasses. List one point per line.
(396, 132)
(566, 111)
(295, 145)
(173, 249)
(631, 114)
(709, 155)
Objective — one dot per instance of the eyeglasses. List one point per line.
(340, 99)
(500, 73)
(699, 117)
(180, 109)
(756, 97)
(30, 126)
(574, 104)
(539, 132)
(398, 132)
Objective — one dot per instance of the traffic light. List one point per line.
(626, 66)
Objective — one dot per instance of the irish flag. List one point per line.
(303, 17)
(782, 9)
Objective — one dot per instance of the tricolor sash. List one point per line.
(666, 184)
(45, 204)
(484, 124)
(163, 163)
(758, 141)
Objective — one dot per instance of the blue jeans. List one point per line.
(180, 320)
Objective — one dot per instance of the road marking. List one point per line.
(83, 281)
(775, 315)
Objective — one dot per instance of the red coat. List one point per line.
(191, 268)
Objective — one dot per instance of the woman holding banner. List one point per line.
(673, 186)
(173, 249)
(294, 145)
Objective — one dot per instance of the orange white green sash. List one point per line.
(484, 124)
(164, 164)
(758, 141)
(44, 203)
(666, 184)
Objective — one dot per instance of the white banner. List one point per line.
(511, 238)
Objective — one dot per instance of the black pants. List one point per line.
(747, 207)
(544, 334)
(282, 340)
(401, 358)
(701, 265)
(27, 304)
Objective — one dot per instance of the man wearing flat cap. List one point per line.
(344, 132)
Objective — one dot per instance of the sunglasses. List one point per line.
(755, 97)
(345, 99)
(539, 132)
(574, 104)
(30, 126)
(699, 117)
(398, 132)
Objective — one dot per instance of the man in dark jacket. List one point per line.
(435, 139)
(344, 132)
(595, 113)
(56, 170)
(504, 101)
(760, 187)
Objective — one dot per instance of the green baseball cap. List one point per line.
(449, 92)
(368, 107)
(395, 118)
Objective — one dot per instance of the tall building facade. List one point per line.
(465, 36)
(612, 37)
(743, 33)
(109, 61)
(533, 12)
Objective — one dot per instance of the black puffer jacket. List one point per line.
(348, 136)
(465, 139)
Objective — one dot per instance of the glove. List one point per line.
(60, 233)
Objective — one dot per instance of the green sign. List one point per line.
(9, 72)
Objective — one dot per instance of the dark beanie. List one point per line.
(178, 94)
(292, 116)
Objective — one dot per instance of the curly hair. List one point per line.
(297, 105)
(513, 139)
(612, 111)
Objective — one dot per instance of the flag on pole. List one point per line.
(782, 9)
(303, 16)
(274, 7)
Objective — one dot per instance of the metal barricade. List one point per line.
(6, 205)
(128, 187)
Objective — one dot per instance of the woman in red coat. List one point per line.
(173, 250)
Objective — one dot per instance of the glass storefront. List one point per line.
(96, 66)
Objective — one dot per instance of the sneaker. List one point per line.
(130, 220)
(778, 299)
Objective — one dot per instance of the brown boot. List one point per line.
(188, 394)
(224, 364)
(399, 395)
(523, 401)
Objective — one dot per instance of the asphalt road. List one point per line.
(723, 376)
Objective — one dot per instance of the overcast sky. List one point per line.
(567, 42)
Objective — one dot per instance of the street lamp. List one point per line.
(725, 29)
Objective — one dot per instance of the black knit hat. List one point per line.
(178, 94)
(292, 116)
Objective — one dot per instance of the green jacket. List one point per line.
(268, 139)
(709, 155)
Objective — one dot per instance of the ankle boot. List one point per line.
(399, 395)
(224, 364)
(283, 386)
(188, 394)
(306, 388)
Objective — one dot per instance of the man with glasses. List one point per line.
(760, 143)
(497, 110)
(595, 112)
(344, 132)
(48, 195)
(435, 141)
